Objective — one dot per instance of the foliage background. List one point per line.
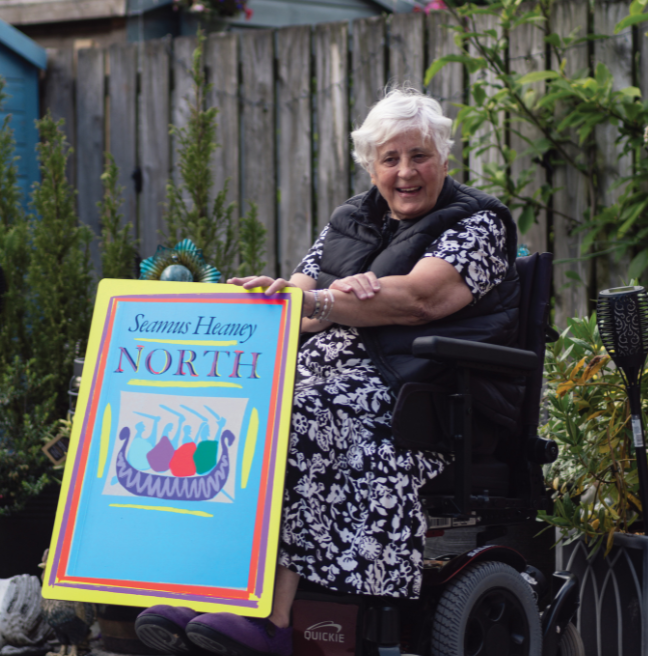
(563, 119)
(50, 284)
(595, 480)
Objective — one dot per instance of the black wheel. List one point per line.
(487, 610)
(571, 643)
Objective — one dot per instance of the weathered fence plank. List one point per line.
(154, 141)
(259, 178)
(526, 55)
(122, 126)
(221, 60)
(182, 95)
(58, 98)
(571, 199)
(90, 133)
(294, 147)
(368, 69)
(448, 86)
(616, 53)
(486, 135)
(332, 119)
(406, 51)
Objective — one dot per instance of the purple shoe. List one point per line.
(233, 635)
(163, 628)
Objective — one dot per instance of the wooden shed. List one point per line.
(20, 62)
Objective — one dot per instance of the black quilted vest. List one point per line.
(354, 243)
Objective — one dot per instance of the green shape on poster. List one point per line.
(205, 456)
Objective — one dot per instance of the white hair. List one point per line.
(401, 110)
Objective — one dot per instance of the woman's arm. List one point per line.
(432, 290)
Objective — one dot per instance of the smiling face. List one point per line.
(409, 175)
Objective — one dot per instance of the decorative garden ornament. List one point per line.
(622, 317)
(184, 263)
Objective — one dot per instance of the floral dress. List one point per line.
(352, 520)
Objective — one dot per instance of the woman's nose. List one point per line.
(407, 170)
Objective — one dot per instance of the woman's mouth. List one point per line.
(407, 190)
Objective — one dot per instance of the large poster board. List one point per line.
(174, 479)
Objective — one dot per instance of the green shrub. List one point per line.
(595, 480)
(118, 247)
(190, 212)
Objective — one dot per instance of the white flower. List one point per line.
(369, 548)
(347, 562)
(198, 8)
(646, 135)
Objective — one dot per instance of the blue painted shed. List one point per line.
(20, 61)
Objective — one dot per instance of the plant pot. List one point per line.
(613, 615)
(26, 534)
(117, 625)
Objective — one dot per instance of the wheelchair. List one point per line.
(482, 602)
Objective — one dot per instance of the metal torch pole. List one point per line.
(634, 394)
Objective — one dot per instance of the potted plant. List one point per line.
(597, 511)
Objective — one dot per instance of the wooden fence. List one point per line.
(288, 100)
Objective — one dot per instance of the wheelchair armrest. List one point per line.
(474, 353)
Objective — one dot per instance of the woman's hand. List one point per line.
(273, 285)
(363, 285)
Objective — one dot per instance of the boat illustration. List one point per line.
(188, 488)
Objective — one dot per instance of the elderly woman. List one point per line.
(418, 254)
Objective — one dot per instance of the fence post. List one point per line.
(221, 60)
(570, 201)
(331, 46)
(90, 132)
(294, 147)
(122, 123)
(58, 97)
(448, 86)
(406, 50)
(368, 72)
(154, 141)
(259, 179)
(617, 54)
(527, 54)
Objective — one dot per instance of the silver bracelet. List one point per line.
(325, 305)
(325, 316)
(316, 310)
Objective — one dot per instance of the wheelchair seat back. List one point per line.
(500, 470)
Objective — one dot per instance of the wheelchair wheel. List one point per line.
(571, 643)
(488, 610)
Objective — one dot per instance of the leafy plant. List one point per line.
(14, 250)
(118, 247)
(595, 480)
(190, 211)
(46, 311)
(564, 111)
(59, 277)
(251, 243)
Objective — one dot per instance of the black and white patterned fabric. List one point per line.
(476, 248)
(352, 520)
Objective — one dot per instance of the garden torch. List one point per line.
(622, 317)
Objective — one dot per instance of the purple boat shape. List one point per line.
(190, 488)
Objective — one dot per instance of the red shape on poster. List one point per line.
(182, 463)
